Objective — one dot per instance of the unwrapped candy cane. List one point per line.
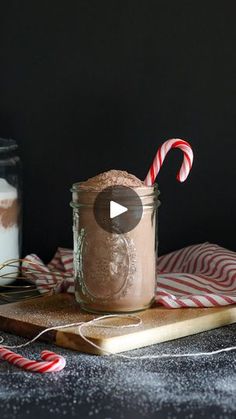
(161, 155)
(51, 361)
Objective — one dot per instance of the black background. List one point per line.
(86, 86)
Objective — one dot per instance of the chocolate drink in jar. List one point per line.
(115, 267)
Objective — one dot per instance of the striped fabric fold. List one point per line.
(202, 275)
(55, 277)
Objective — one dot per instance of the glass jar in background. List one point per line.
(114, 273)
(10, 208)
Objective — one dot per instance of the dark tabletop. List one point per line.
(111, 387)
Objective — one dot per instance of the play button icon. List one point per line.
(118, 209)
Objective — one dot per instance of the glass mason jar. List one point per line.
(114, 273)
(10, 208)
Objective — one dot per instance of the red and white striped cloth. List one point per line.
(202, 275)
(55, 277)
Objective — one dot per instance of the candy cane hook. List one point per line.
(161, 155)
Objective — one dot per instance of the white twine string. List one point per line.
(137, 322)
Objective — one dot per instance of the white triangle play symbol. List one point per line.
(116, 209)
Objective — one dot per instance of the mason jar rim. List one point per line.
(77, 193)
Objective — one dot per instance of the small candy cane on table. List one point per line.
(51, 361)
(161, 155)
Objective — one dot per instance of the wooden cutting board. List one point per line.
(159, 324)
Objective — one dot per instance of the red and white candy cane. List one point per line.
(161, 155)
(51, 361)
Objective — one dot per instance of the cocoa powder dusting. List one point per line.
(112, 178)
(9, 210)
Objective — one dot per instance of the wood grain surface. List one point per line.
(159, 324)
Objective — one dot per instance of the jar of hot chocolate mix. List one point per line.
(10, 204)
(114, 255)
